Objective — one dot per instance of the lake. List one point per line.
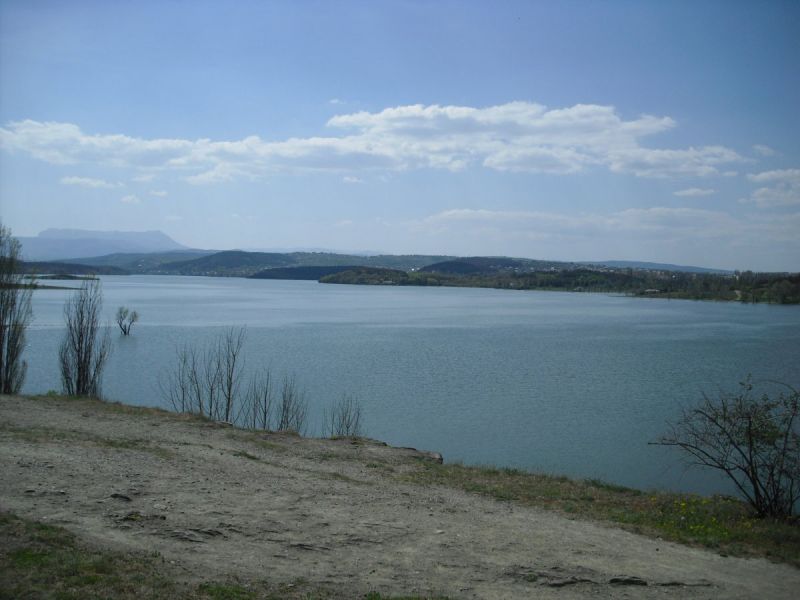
(565, 383)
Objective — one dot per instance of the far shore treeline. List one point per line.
(658, 281)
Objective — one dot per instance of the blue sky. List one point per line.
(662, 131)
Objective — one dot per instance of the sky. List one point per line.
(627, 130)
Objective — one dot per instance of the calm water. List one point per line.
(567, 383)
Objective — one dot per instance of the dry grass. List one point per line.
(48, 562)
(721, 523)
(53, 435)
(42, 561)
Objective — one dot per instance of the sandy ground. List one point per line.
(219, 503)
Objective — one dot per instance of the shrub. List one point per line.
(754, 439)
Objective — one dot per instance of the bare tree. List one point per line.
(753, 439)
(344, 418)
(85, 347)
(256, 408)
(177, 385)
(15, 314)
(207, 382)
(292, 407)
(229, 350)
(125, 319)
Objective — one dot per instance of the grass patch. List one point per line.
(48, 562)
(256, 438)
(42, 561)
(272, 446)
(377, 596)
(133, 444)
(53, 435)
(120, 408)
(325, 456)
(380, 466)
(721, 523)
(247, 455)
(222, 591)
(342, 477)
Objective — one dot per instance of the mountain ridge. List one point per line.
(59, 244)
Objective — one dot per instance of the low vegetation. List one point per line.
(778, 288)
(64, 270)
(721, 523)
(45, 561)
(753, 438)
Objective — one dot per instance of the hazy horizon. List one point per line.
(570, 131)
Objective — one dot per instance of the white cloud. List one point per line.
(336, 101)
(65, 143)
(782, 189)
(158, 193)
(143, 178)
(222, 171)
(88, 182)
(350, 179)
(698, 162)
(632, 219)
(691, 192)
(685, 221)
(130, 199)
(656, 224)
(781, 175)
(663, 234)
(517, 136)
(771, 197)
(763, 150)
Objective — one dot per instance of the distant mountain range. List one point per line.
(234, 263)
(156, 252)
(60, 244)
(633, 278)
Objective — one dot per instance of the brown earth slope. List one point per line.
(219, 503)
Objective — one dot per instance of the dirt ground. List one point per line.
(218, 503)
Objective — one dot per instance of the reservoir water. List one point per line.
(565, 383)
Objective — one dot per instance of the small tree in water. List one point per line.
(125, 319)
(753, 439)
(84, 349)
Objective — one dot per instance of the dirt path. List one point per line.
(218, 502)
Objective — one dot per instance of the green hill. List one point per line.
(59, 268)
